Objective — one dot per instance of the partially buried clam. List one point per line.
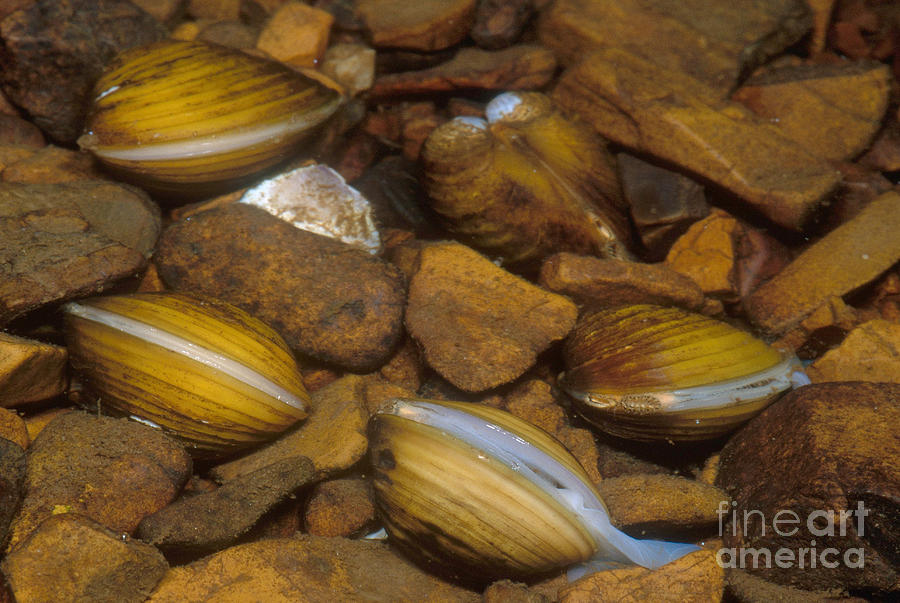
(652, 373)
(526, 183)
(204, 371)
(475, 488)
(192, 117)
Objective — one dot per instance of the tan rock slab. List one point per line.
(425, 25)
(711, 41)
(305, 568)
(870, 352)
(677, 119)
(478, 325)
(596, 282)
(832, 110)
(340, 507)
(520, 67)
(297, 34)
(13, 428)
(838, 263)
(115, 471)
(72, 558)
(333, 437)
(695, 577)
(30, 370)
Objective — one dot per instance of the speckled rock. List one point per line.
(340, 507)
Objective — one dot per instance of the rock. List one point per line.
(114, 471)
(305, 568)
(595, 282)
(72, 558)
(838, 263)
(296, 34)
(507, 591)
(16, 131)
(340, 507)
(817, 470)
(216, 10)
(317, 199)
(350, 65)
(520, 67)
(405, 368)
(426, 25)
(884, 152)
(12, 484)
(52, 164)
(53, 52)
(417, 120)
(327, 299)
(499, 23)
(30, 370)
(663, 203)
(533, 401)
(379, 392)
(615, 462)
(165, 11)
(333, 437)
(670, 507)
(871, 352)
(677, 119)
(821, 330)
(59, 241)
(478, 325)
(35, 423)
(821, 19)
(12, 428)
(851, 98)
(233, 34)
(714, 43)
(694, 577)
(743, 587)
(214, 520)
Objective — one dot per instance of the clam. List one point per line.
(202, 370)
(647, 372)
(477, 489)
(525, 183)
(193, 117)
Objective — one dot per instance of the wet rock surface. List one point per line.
(30, 370)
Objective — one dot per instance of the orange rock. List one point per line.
(706, 254)
(339, 507)
(52, 164)
(425, 25)
(694, 577)
(164, 10)
(841, 261)
(219, 10)
(35, 423)
(30, 370)
(13, 428)
(296, 34)
(871, 352)
(832, 110)
(675, 118)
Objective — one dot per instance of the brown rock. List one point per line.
(478, 325)
(54, 51)
(379, 392)
(832, 110)
(305, 568)
(507, 591)
(164, 11)
(498, 23)
(821, 330)
(12, 154)
(218, 10)
(694, 577)
(871, 352)
(329, 300)
(743, 587)
(425, 25)
(233, 34)
(214, 520)
(670, 506)
(52, 164)
(340, 507)
(30, 370)
(296, 34)
(615, 462)
(58, 241)
(520, 67)
(706, 254)
(715, 43)
(663, 203)
(35, 423)
(12, 484)
(595, 282)
(16, 131)
(114, 471)
(677, 119)
(821, 463)
(13, 428)
(534, 402)
(841, 261)
(72, 558)
(884, 152)
(417, 120)
(333, 437)
(405, 368)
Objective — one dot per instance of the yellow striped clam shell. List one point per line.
(202, 370)
(193, 117)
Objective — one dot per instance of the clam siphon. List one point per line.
(193, 117)
(525, 183)
(476, 488)
(647, 372)
(202, 370)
